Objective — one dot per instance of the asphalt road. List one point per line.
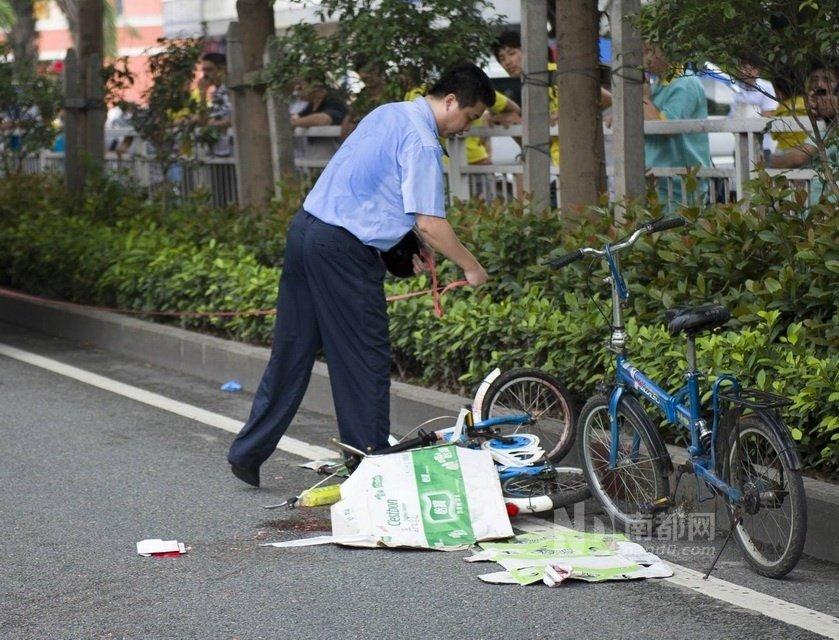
(86, 473)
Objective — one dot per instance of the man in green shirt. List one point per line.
(681, 98)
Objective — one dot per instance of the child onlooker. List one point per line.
(507, 50)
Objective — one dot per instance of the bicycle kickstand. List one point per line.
(735, 521)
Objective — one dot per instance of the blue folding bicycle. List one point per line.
(739, 448)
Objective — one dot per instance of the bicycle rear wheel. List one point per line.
(542, 396)
(773, 513)
(630, 491)
(563, 486)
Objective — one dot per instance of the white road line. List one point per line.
(743, 597)
(290, 445)
(734, 594)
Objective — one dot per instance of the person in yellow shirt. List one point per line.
(793, 149)
(507, 50)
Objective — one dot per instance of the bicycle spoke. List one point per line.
(632, 484)
(540, 400)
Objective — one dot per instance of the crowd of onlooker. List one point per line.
(666, 96)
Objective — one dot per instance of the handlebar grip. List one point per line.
(666, 223)
(422, 440)
(565, 260)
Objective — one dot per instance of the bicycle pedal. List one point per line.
(329, 469)
(662, 504)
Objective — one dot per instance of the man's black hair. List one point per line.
(830, 66)
(218, 59)
(468, 83)
(511, 39)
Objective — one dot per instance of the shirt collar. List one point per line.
(427, 114)
(678, 72)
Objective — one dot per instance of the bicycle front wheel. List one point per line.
(542, 396)
(773, 513)
(631, 490)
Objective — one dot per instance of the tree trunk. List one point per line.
(247, 40)
(86, 112)
(627, 103)
(582, 164)
(282, 133)
(536, 141)
(70, 9)
(23, 37)
(91, 33)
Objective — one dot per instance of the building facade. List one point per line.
(139, 23)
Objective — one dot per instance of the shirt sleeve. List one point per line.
(500, 103)
(335, 109)
(220, 108)
(421, 177)
(679, 103)
(768, 102)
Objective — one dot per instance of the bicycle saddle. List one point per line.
(691, 320)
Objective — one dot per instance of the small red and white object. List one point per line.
(556, 573)
(158, 548)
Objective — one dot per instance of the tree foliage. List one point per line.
(169, 114)
(7, 16)
(29, 103)
(778, 36)
(404, 44)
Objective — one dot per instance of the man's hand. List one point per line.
(422, 262)
(477, 276)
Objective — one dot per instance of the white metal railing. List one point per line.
(499, 180)
(214, 176)
(315, 145)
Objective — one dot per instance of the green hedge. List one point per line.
(776, 269)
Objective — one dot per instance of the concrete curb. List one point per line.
(219, 360)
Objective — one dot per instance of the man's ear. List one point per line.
(451, 101)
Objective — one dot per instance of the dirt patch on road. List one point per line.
(299, 520)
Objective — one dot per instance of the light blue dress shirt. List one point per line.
(388, 170)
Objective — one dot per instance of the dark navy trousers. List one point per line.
(331, 296)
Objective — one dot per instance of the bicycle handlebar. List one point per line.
(662, 224)
(423, 439)
(565, 260)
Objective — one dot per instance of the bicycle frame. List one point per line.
(676, 412)
(681, 408)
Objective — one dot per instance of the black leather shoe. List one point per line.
(246, 474)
